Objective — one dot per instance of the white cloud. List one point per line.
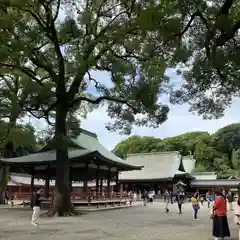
(179, 121)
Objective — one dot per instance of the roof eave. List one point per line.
(121, 165)
(146, 180)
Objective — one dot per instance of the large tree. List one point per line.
(118, 37)
(227, 139)
(20, 140)
(211, 79)
(15, 90)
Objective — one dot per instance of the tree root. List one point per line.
(51, 213)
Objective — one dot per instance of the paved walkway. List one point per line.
(140, 223)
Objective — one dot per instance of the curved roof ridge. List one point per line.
(92, 134)
(153, 153)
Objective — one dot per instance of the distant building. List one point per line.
(92, 167)
(162, 170)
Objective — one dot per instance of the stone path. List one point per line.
(140, 223)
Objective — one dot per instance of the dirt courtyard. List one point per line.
(138, 222)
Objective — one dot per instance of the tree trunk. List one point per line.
(4, 174)
(62, 196)
(4, 170)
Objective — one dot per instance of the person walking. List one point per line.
(202, 200)
(171, 196)
(145, 197)
(180, 199)
(230, 200)
(150, 196)
(195, 205)
(166, 197)
(35, 204)
(208, 198)
(220, 222)
(236, 212)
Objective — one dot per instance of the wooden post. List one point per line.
(109, 181)
(101, 185)
(31, 188)
(97, 180)
(47, 183)
(70, 180)
(32, 184)
(117, 183)
(85, 182)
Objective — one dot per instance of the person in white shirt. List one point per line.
(150, 196)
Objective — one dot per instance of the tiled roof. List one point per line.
(188, 164)
(47, 156)
(86, 143)
(90, 142)
(158, 165)
(217, 182)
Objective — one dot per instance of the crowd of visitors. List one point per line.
(219, 202)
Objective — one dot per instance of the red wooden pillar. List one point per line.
(70, 179)
(85, 181)
(32, 184)
(101, 185)
(47, 183)
(97, 180)
(117, 183)
(109, 181)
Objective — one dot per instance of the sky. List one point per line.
(179, 120)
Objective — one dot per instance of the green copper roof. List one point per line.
(85, 144)
(188, 164)
(89, 141)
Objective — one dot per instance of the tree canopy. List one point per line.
(211, 74)
(22, 136)
(58, 53)
(213, 152)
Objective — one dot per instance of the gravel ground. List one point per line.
(138, 222)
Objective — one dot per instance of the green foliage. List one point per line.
(227, 138)
(22, 136)
(184, 143)
(200, 168)
(210, 151)
(118, 37)
(211, 73)
(136, 144)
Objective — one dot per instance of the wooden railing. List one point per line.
(25, 196)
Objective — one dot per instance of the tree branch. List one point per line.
(57, 11)
(101, 99)
(92, 79)
(226, 36)
(196, 14)
(226, 7)
(45, 113)
(24, 70)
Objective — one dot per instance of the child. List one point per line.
(10, 201)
